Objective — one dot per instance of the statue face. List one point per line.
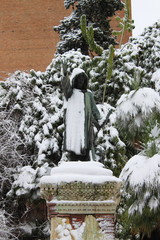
(80, 82)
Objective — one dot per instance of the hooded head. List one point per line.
(79, 79)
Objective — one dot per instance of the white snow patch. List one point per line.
(75, 117)
(91, 171)
(138, 104)
(153, 203)
(82, 168)
(141, 170)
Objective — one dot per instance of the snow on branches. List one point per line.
(133, 108)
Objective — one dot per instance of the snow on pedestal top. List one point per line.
(93, 172)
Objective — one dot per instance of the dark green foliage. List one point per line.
(97, 14)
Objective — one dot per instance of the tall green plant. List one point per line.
(88, 35)
(109, 68)
(125, 23)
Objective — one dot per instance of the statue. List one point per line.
(80, 113)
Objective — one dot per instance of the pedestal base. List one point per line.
(81, 200)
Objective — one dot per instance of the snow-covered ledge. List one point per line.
(75, 190)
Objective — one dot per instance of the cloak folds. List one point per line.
(80, 110)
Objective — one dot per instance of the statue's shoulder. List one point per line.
(89, 94)
(89, 91)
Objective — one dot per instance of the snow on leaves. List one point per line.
(27, 181)
(141, 176)
(137, 105)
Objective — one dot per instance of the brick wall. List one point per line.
(27, 39)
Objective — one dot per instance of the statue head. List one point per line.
(79, 79)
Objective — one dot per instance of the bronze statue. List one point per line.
(80, 113)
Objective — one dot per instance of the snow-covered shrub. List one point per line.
(6, 231)
(13, 150)
(137, 105)
(109, 147)
(134, 64)
(133, 69)
(137, 114)
(26, 182)
(136, 61)
(138, 123)
(141, 177)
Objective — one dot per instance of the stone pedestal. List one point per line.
(81, 198)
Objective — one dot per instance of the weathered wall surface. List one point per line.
(27, 39)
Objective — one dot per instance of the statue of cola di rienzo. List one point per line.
(81, 113)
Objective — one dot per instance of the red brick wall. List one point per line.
(27, 39)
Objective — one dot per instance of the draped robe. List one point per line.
(80, 110)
